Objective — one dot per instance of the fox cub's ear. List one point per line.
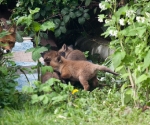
(64, 47)
(59, 59)
(12, 29)
(1, 29)
(42, 54)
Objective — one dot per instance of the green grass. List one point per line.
(35, 115)
(99, 107)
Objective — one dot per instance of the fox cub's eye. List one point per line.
(47, 60)
(11, 42)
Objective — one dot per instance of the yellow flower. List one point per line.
(74, 91)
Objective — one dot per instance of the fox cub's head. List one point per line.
(7, 41)
(65, 50)
(52, 58)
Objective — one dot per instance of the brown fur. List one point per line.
(49, 75)
(71, 54)
(82, 71)
(8, 41)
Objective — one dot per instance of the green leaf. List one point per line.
(36, 26)
(46, 89)
(78, 13)
(62, 23)
(57, 21)
(49, 25)
(81, 9)
(64, 11)
(95, 10)
(59, 98)
(4, 33)
(133, 31)
(34, 96)
(72, 15)
(63, 29)
(45, 69)
(37, 15)
(46, 100)
(30, 50)
(43, 12)
(117, 58)
(32, 1)
(41, 97)
(121, 11)
(36, 54)
(18, 37)
(87, 2)
(141, 78)
(34, 11)
(21, 20)
(147, 60)
(86, 16)
(81, 20)
(86, 10)
(66, 18)
(57, 32)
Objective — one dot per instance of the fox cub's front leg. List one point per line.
(65, 74)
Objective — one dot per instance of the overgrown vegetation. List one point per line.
(129, 29)
(57, 103)
(8, 95)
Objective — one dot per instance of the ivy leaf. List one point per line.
(48, 25)
(37, 15)
(66, 18)
(87, 2)
(43, 13)
(86, 16)
(63, 29)
(86, 10)
(62, 23)
(64, 11)
(81, 9)
(57, 32)
(78, 13)
(72, 15)
(57, 21)
(81, 20)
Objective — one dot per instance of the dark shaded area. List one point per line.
(6, 9)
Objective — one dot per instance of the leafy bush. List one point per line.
(128, 28)
(60, 12)
(8, 93)
(50, 93)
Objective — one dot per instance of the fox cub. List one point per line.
(7, 42)
(71, 54)
(68, 53)
(81, 71)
